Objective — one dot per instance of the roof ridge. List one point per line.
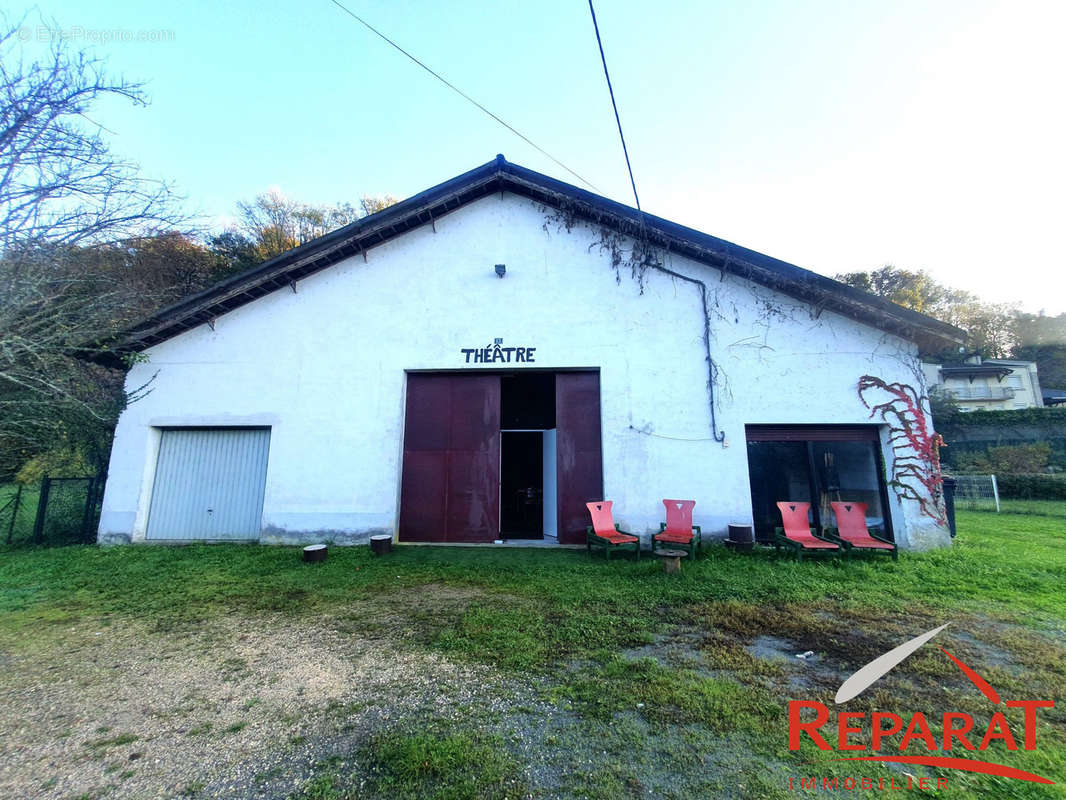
(501, 175)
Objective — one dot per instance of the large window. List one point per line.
(816, 465)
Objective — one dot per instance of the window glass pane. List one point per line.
(848, 472)
(779, 471)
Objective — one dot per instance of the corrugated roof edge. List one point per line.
(501, 175)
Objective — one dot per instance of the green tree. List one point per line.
(991, 326)
(914, 290)
(235, 251)
(160, 269)
(1043, 339)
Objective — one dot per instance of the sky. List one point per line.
(838, 136)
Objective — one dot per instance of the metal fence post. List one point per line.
(948, 489)
(14, 513)
(87, 512)
(42, 507)
(995, 492)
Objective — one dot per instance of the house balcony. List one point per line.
(963, 393)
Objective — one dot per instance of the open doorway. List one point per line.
(522, 485)
(528, 505)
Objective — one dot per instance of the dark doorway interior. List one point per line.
(527, 409)
(522, 485)
(527, 401)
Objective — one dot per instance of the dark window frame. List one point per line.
(809, 435)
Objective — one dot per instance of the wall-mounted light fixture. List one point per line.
(501, 269)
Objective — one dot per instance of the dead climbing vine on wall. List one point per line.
(611, 239)
(915, 447)
(613, 233)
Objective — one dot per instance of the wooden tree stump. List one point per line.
(671, 559)
(741, 537)
(315, 553)
(381, 544)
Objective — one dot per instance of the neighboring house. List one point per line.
(993, 384)
(477, 362)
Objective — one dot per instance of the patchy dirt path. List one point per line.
(251, 706)
(220, 709)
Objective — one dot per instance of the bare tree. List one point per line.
(372, 204)
(277, 223)
(49, 396)
(63, 195)
(59, 181)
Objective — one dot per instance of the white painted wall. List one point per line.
(324, 367)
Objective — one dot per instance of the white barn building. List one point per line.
(477, 362)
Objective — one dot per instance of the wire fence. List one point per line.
(984, 493)
(56, 512)
(977, 493)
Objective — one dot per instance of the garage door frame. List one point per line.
(209, 483)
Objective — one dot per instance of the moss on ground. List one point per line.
(642, 683)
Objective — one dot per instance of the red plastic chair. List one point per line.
(678, 532)
(851, 531)
(603, 532)
(797, 533)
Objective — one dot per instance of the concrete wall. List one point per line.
(324, 367)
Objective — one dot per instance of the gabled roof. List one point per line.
(498, 176)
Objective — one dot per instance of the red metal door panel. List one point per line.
(475, 411)
(429, 409)
(424, 484)
(451, 461)
(423, 492)
(580, 455)
(474, 459)
(473, 496)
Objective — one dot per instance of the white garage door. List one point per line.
(209, 484)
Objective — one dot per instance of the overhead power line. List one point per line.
(617, 119)
(462, 94)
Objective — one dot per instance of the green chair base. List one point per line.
(591, 539)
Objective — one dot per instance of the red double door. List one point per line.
(450, 489)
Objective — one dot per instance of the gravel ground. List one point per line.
(238, 707)
(254, 707)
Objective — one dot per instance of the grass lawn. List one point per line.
(1043, 508)
(24, 514)
(238, 671)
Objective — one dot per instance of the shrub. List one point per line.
(64, 462)
(1032, 487)
(1012, 458)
